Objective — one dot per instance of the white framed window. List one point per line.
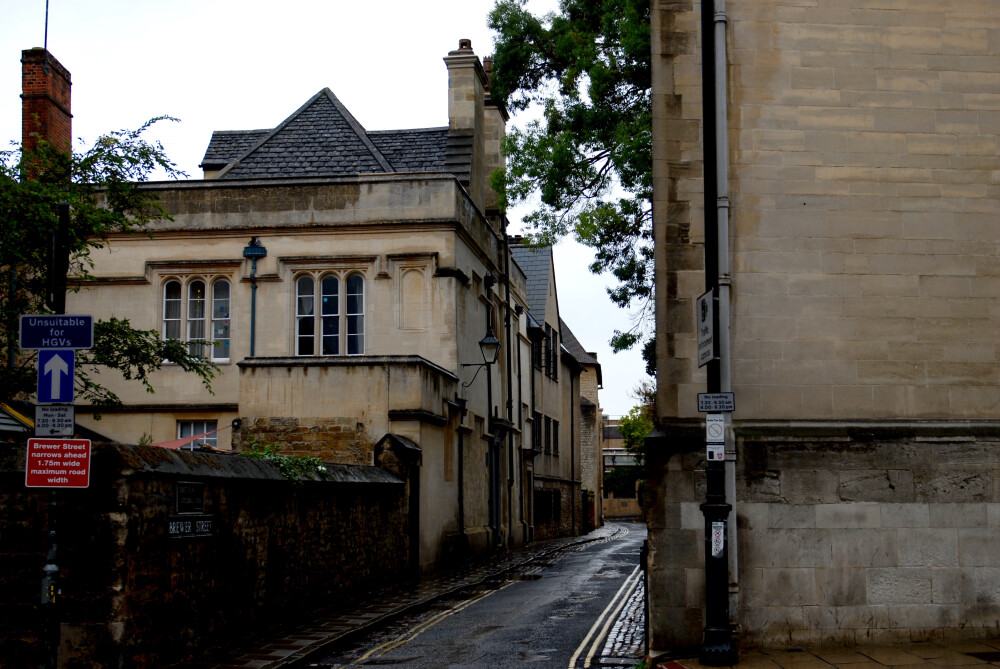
(189, 428)
(221, 322)
(324, 331)
(190, 315)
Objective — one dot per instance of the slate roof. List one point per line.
(228, 144)
(535, 263)
(574, 346)
(322, 138)
(422, 150)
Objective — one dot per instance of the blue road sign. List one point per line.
(57, 331)
(55, 376)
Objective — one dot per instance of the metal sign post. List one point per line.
(55, 463)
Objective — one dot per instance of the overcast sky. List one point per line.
(228, 65)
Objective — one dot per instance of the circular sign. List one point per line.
(715, 430)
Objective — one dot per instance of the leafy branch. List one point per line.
(293, 467)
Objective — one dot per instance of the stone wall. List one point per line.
(140, 590)
(556, 503)
(342, 440)
(850, 533)
(591, 462)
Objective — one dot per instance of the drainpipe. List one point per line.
(725, 281)
(510, 390)
(574, 394)
(717, 647)
(520, 423)
(462, 410)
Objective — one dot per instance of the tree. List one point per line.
(588, 161)
(103, 188)
(634, 427)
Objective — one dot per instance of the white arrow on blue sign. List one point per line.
(56, 371)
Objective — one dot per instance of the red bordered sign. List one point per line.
(57, 463)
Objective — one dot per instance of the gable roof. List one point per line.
(322, 138)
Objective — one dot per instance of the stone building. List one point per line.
(853, 174)
(344, 281)
(560, 395)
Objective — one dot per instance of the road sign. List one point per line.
(58, 463)
(705, 325)
(715, 429)
(56, 370)
(54, 420)
(716, 402)
(59, 331)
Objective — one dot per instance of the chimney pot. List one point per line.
(465, 45)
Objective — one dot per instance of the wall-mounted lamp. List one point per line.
(253, 251)
(489, 346)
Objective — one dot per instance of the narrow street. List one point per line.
(581, 607)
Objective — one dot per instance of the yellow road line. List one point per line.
(600, 619)
(419, 629)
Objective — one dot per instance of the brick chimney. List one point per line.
(45, 106)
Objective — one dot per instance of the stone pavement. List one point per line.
(976, 654)
(626, 641)
(290, 645)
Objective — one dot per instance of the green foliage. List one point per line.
(588, 162)
(621, 481)
(103, 188)
(634, 427)
(292, 467)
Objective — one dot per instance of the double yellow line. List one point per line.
(417, 630)
(605, 620)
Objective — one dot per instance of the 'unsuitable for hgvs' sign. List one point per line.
(57, 463)
(57, 331)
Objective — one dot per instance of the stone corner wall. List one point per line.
(856, 534)
(872, 538)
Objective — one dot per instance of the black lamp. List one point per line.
(490, 346)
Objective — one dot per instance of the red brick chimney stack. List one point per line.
(45, 95)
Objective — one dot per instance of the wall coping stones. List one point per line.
(126, 460)
(868, 429)
(347, 361)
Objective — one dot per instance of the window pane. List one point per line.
(305, 335)
(305, 322)
(355, 294)
(172, 310)
(355, 315)
(305, 296)
(355, 345)
(331, 335)
(196, 316)
(220, 320)
(189, 428)
(331, 296)
(196, 299)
